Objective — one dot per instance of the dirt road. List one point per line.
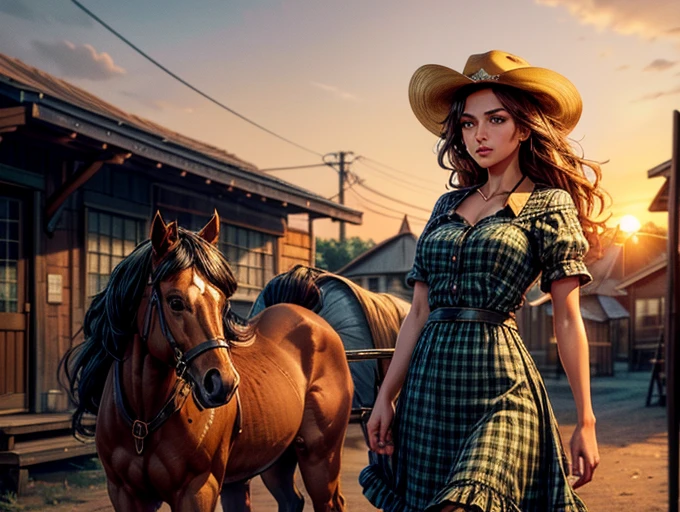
(632, 475)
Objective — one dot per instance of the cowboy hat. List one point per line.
(433, 86)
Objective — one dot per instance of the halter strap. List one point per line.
(182, 385)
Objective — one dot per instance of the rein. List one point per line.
(181, 388)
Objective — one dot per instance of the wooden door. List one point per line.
(14, 310)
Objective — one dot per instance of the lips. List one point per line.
(483, 150)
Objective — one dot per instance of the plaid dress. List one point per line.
(474, 425)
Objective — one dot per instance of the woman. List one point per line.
(474, 429)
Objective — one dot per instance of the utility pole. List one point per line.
(341, 192)
(342, 178)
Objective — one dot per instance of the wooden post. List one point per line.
(672, 332)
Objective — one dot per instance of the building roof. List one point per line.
(402, 266)
(660, 201)
(655, 266)
(598, 308)
(66, 107)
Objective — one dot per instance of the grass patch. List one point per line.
(9, 502)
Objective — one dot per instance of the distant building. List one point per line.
(646, 291)
(383, 268)
(604, 317)
(646, 287)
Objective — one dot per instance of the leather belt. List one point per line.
(488, 316)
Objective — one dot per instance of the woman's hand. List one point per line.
(585, 456)
(379, 427)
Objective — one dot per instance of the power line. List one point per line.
(297, 167)
(397, 180)
(389, 167)
(386, 208)
(181, 80)
(367, 208)
(385, 196)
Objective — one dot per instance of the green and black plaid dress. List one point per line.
(474, 425)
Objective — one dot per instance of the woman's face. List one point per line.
(490, 134)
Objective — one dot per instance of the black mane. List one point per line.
(111, 320)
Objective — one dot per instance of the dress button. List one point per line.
(454, 259)
(455, 287)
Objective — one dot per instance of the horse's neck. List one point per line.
(146, 381)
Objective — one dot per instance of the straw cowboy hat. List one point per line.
(433, 86)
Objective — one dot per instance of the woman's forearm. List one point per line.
(572, 343)
(573, 347)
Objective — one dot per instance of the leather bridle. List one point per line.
(182, 386)
(182, 359)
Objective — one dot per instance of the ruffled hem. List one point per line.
(379, 492)
(474, 496)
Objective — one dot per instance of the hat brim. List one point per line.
(433, 86)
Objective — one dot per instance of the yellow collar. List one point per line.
(518, 199)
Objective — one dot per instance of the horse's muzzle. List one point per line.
(216, 390)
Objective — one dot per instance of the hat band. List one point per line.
(482, 75)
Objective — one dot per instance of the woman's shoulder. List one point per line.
(547, 199)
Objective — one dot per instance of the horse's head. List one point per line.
(182, 318)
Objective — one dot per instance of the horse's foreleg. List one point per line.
(126, 501)
(280, 481)
(236, 496)
(199, 495)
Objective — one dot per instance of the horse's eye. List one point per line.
(176, 304)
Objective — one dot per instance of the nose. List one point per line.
(480, 134)
(218, 389)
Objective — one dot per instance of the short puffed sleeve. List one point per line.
(562, 244)
(418, 272)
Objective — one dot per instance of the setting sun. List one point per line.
(629, 224)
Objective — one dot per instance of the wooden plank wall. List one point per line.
(296, 248)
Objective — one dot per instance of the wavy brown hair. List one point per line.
(546, 157)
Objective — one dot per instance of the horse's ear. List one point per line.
(164, 237)
(211, 231)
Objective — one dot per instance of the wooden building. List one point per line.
(646, 291)
(383, 268)
(79, 183)
(604, 317)
(646, 286)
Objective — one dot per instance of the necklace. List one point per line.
(499, 192)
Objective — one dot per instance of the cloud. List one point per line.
(160, 105)
(658, 94)
(649, 20)
(660, 65)
(623, 67)
(79, 61)
(338, 93)
(45, 11)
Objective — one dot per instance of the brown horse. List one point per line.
(266, 396)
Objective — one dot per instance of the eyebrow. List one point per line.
(487, 113)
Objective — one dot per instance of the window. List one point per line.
(374, 284)
(110, 238)
(649, 315)
(251, 257)
(9, 254)
(250, 253)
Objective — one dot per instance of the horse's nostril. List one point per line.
(212, 381)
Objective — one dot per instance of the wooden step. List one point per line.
(29, 453)
(25, 424)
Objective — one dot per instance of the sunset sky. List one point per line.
(333, 75)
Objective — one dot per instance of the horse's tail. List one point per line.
(363, 319)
